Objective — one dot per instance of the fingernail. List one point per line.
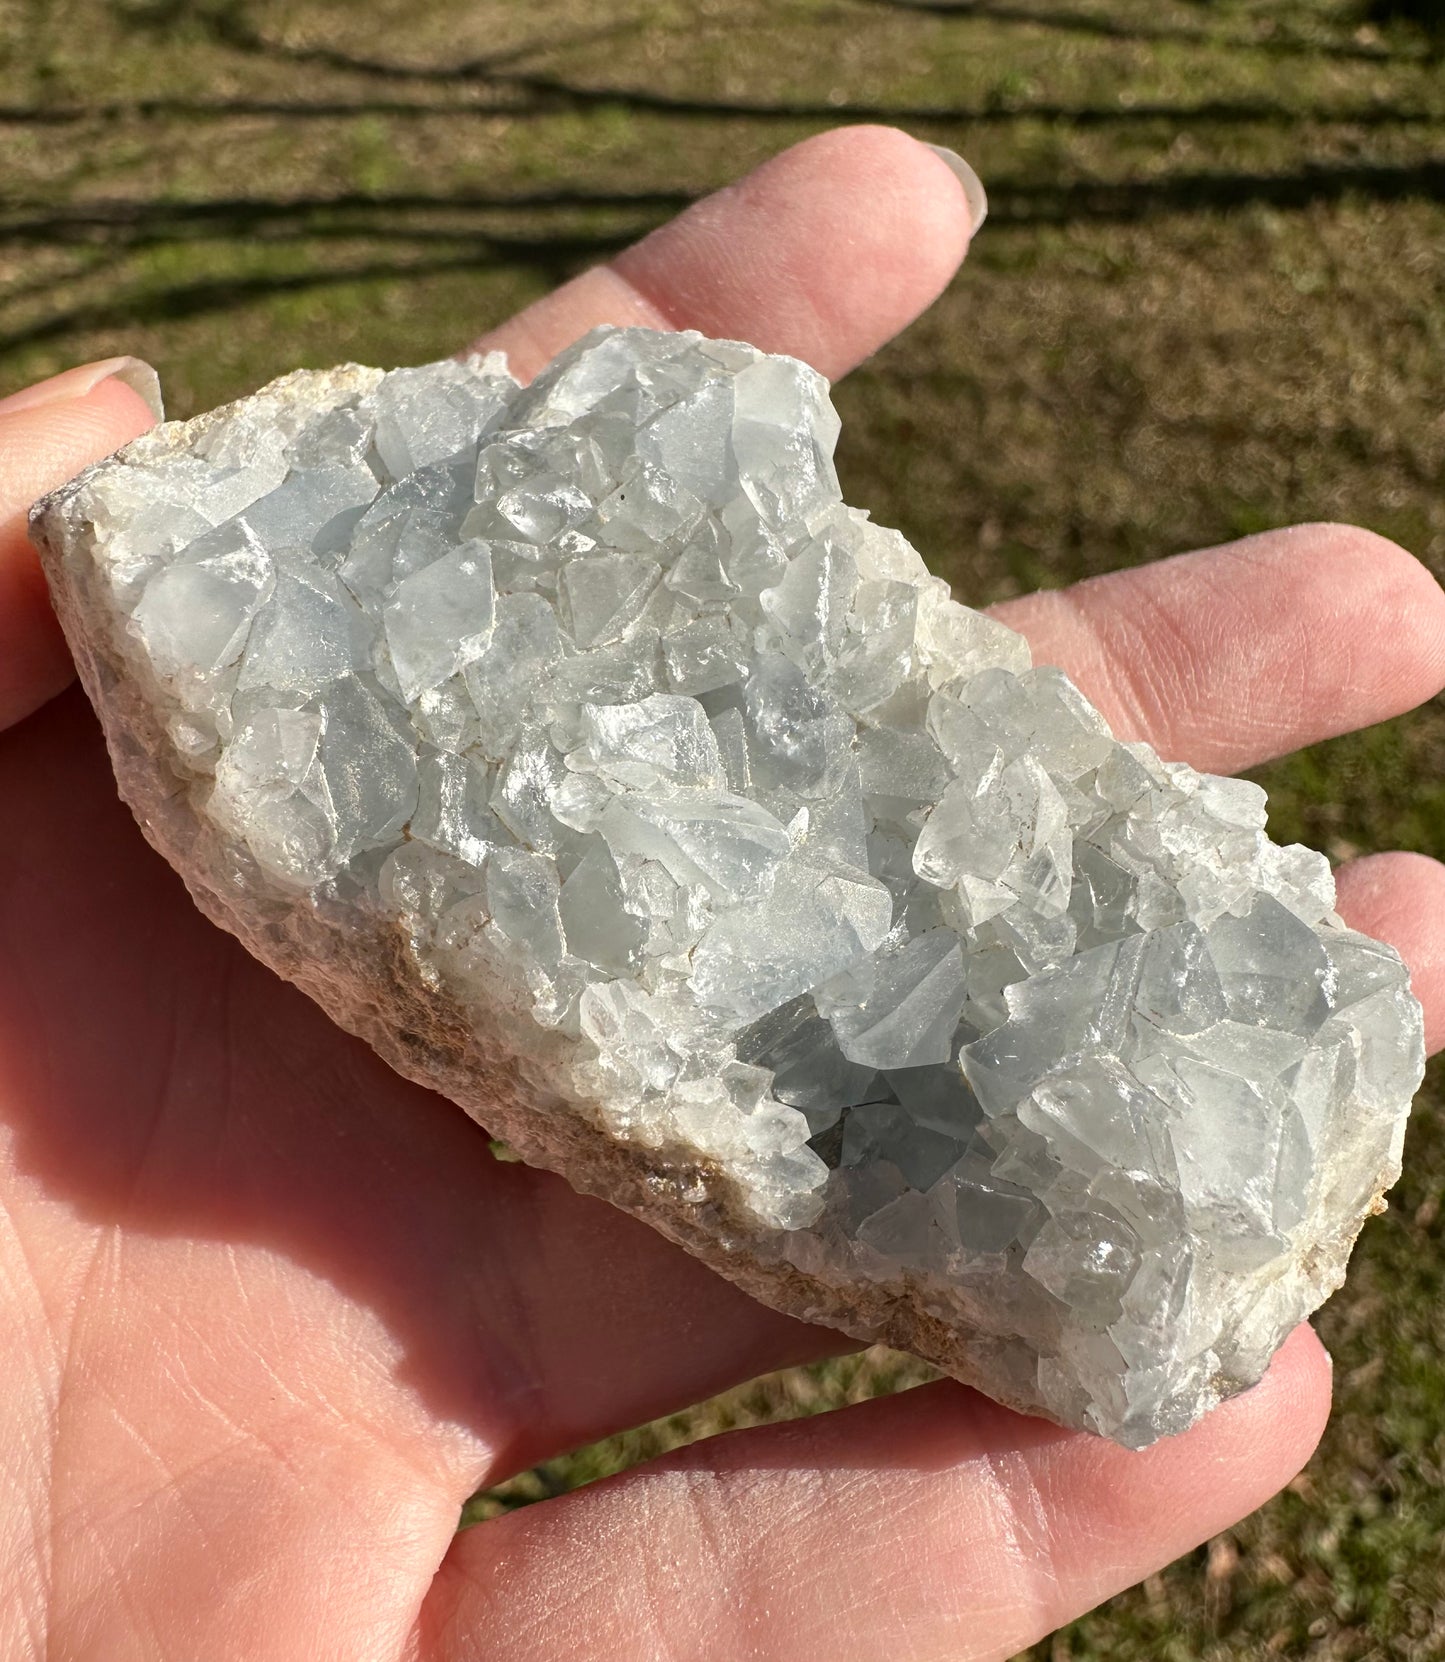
(973, 189)
(76, 383)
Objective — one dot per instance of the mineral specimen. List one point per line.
(580, 748)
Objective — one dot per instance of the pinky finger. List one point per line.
(933, 1525)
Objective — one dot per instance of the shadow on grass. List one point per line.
(126, 226)
(1136, 199)
(436, 232)
(1426, 15)
(533, 92)
(499, 83)
(353, 214)
(540, 96)
(553, 257)
(346, 214)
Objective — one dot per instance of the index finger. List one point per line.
(824, 252)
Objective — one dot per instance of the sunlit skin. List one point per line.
(268, 1314)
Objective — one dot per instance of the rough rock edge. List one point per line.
(370, 985)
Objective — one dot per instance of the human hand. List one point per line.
(269, 1313)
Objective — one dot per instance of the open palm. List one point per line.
(268, 1313)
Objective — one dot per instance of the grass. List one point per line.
(1206, 302)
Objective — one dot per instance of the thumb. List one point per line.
(48, 432)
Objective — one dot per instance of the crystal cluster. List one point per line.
(933, 1010)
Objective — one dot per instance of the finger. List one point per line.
(1233, 655)
(933, 1525)
(824, 252)
(1400, 898)
(47, 434)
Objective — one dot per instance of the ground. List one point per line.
(1206, 302)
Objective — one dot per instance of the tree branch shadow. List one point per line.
(499, 84)
(552, 257)
(216, 109)
(344, 214)
(542, 92)
(557, 253)
(541, 96)
(1138, 199)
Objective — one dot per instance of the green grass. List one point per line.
(1206, 302)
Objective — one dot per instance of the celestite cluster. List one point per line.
(579, 746)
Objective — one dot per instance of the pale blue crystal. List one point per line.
(602, 735)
